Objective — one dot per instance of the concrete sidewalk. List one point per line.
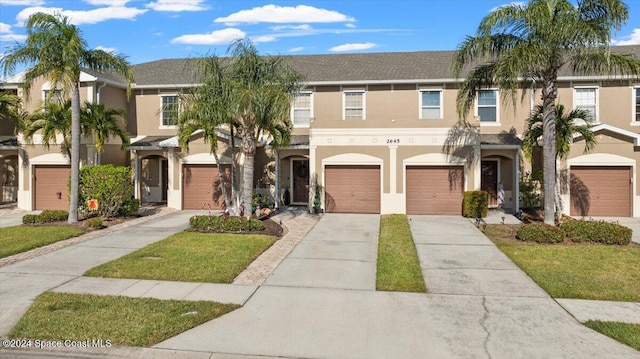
(25, 280)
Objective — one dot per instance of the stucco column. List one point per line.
(316, 174)
(517, 184)
(276, 192)
(393, 175)
(477, 161)
(136, 175)
(24, 198)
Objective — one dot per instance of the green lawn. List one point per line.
(189, 257)
(582, 271)
(18, 239)
(398, 263)
(121, 320)
(628, 334)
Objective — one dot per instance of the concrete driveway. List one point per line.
(321, 303)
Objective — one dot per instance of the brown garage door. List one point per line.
(601, 191)
(435, 190)
(352, 189)
(201, 186)
(50, 187)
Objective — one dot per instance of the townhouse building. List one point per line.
(372, 133)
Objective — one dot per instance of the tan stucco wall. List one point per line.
(144, 113)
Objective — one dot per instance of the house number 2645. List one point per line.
(393, 140)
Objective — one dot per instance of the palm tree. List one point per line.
(520, 44)
(55, 49)
(262, 89)
(205, 108)
(53, 119)
(10, 110)
(567, 126)
(104, 123)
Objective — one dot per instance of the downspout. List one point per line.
(136, 175)
(97, 158)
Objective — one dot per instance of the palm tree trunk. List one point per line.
(75, 154)
(249, 150)
(549, 94)
(234, 182)
(223, 182)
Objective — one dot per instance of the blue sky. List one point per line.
(147, 30)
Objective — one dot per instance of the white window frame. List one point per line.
(497, 105)
(634, 105)
(293, 110)
(596, 119)
(162, 125)
(422, 107)
(364, 104)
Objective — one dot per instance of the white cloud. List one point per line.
(351, 26)
(218, 37)
(291, 27)
(177, 5)
(112, 50)
(633, 39)
(107, 2)
(517, 3)
(297, 49)
(78, 17)
(352, 47)
(265, 38)
(7, 35)
(284, 14)
(22, 2)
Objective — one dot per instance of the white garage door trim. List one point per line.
(352, 159)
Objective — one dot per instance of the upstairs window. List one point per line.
(430, 104)
(169, 110)
(52, 96)
(354, 105)
(302, 110)
(586, 99)
(488, 105)
(637, 104)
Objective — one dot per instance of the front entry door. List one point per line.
(489, 181)
(300, 175)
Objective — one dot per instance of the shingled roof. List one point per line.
(338, 68)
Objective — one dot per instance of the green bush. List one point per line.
(30, 218)
(95, 223)
(597, 231)
(129, 208)
(48, 216)
(220, 223)
(262, 201)
(111, 185)
(541, 233)
(475, 204)
(531, 190)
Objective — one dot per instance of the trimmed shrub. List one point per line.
(475, 204)
(129, 208)
(95, 223)
(541, 233)
(597, 231)
(30, 219)
(111, 185)
(48, 216)
(220, 223)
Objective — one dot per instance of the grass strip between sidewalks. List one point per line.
(398, 264)
(625, 333)
(119, 320)
(580, 271)
(18, 239)
(189, 257)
